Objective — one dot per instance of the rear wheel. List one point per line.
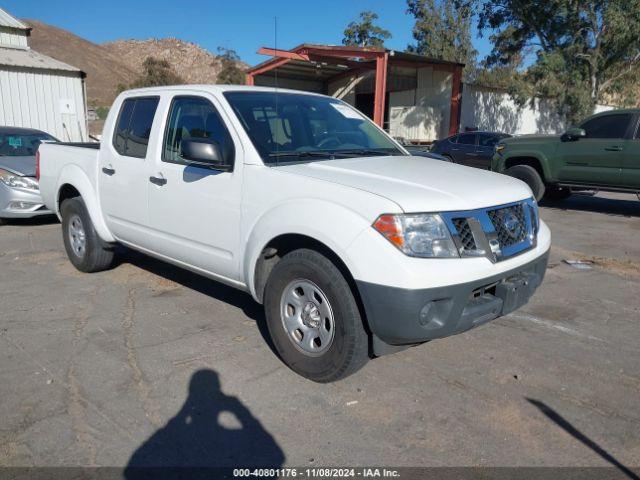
(531, 177)
(85, 249)
(313, 317)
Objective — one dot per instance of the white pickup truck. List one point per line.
(355, 248)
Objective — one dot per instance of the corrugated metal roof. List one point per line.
(14, 57)
(7, 20)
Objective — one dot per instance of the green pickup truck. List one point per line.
(602, 153)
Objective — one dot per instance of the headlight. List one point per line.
(16, 181)
(418, 235)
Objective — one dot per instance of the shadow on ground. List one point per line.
(35, 221)
(588, 203)
(564, 424)
(211, 430)
(200, 284)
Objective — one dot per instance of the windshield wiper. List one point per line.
(303, 153)
(364, 151)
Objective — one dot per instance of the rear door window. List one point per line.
(467, 139)
(607, 126)
(133, 129)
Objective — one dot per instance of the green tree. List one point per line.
(156, 72)
(584, 52)
(443, 30)
(230, 73)
(364, 32)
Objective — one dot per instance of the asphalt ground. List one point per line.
(147, 362)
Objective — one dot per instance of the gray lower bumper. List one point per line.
(402, 317)
(16, 203)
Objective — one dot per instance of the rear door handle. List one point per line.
(160, 181)
(613, 148)
(108, 170)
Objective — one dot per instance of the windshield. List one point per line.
(22, 144)
(289, 127)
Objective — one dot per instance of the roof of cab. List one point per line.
(214, 88)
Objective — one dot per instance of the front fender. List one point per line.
(332, 224)
(77, 178)
(538, 155)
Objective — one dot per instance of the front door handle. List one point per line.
(613, 148)
(108, 170)
(160, 181)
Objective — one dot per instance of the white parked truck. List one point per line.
(354, 247)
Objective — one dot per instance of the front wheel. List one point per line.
(531, 177)
(85, 249)
(313, 317)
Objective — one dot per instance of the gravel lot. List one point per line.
(149, 362)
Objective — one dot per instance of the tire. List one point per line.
(85, 249)
(324, 338)
(557, 193)
(531, 177)
(449, 158)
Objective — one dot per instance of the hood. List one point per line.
(418, 184)
(23, 166)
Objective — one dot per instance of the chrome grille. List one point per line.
(464, 232)
(510, 224)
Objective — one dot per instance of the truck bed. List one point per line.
(66, 162)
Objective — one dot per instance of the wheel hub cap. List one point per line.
(77, 236)
(311, 315)
(307, 317)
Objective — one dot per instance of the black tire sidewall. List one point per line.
(86, 263)
(345, 355)
(531, 177)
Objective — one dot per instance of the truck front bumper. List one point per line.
(18, 203)
(400, 316)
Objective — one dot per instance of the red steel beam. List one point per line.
(382, 62)
(270, 65)
(456, 88)
(273, 52)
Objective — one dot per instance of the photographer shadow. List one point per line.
(195, 444)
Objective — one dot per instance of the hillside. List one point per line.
(192, 62)
(120, 62)
(104, 70)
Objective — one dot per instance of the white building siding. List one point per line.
(494, 110)
(11, 37)
(422, 114)
(49, 101)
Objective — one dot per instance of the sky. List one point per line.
(241, 25)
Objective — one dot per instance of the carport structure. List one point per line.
(320, 67)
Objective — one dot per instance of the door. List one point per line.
(464, 150)
(123, 170)
(195, 211)
(485, 149)
(631, 161)
(597, 158)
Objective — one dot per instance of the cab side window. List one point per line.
(195, 118)
(467, 139)
(133, 128)
(607, 126)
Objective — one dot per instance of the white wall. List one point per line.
(12, 37)
(422, 114)
(46, 100)
(494, 110)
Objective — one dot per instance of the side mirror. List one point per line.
(574, 133)
(204, 152)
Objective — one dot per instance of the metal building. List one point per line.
(411, 96)
(37, 91)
